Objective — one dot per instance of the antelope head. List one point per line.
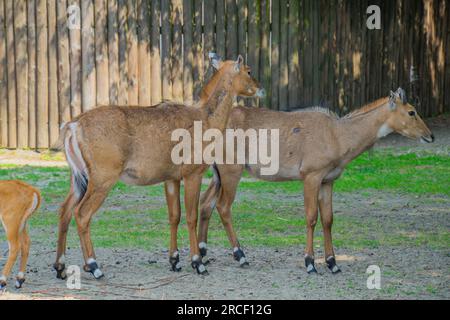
(405, 120)
(244, 84)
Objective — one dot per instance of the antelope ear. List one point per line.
(239, 63)
(392, 97)
(215, 59)
(402, 95)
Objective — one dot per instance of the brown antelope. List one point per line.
(18, 201)
(315, 146)
(133, 144)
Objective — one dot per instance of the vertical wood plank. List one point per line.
(53, 105)
(123, 53)
(209, 30)
(254, 36)
(155, 18)
(188, 81)
(75, 62)
(166, 50)
(63, 62)
(20, 42)
(231, 33)
(42, 74)
(220, 28)
(293, 54)
(242, 28)
(264, 63)
(284, 52)
(132, 47)
(3, 80)
(101, 52)
(88, 55)
(198, 49)
(11, 64)
(177, 50)
(144, 53)
(113, 52)
(275, 54)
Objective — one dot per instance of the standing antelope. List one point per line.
(18, 201)
(315, 146)
(133, 144)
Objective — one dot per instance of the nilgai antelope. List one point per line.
(133, 144)
(18, 201)
(315, 146)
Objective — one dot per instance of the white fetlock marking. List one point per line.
(90, 260)
(20, 275)
(242, 261)
(202, 245)
(195, 258)
(3, 278)
(175, 254)
(98, 273)
(62, 259)
(201, 268)
(310, 268)
(235, 249)
(307, 255)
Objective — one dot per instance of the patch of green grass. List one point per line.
(264, 213)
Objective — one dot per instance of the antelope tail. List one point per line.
(59, 144)
(210, 196)
(69, 140)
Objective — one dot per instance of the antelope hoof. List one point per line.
(60, 271)
(198, 265)
(2, 286)
(309, 264)
(92, 267)
(239, 256)
(174, 261)
(331, 264)
(19, 282)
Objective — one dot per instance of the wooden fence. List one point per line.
(60, 58)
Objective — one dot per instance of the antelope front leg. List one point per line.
(172, 189)
(326, 217)
(311, 192)
(192, 186)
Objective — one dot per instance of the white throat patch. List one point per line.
(384, 131)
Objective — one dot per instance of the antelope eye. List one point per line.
(412, 113)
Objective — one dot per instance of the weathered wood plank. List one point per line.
(275, 104)
(53, 105)
(284, 52)
(166, 51)
(198, 49)
(75, 57)
(155, 16)
(144, 53)
(63, 62)
(264, 63)
(132, 47)
(220, 28)
(3, 80)
(177, 50)
(20, 42)
(188, 80)
(101, 52)
(42, 74)
(88, 55)
(113, 52)
(123, 53)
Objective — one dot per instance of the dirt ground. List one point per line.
(408, 271)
